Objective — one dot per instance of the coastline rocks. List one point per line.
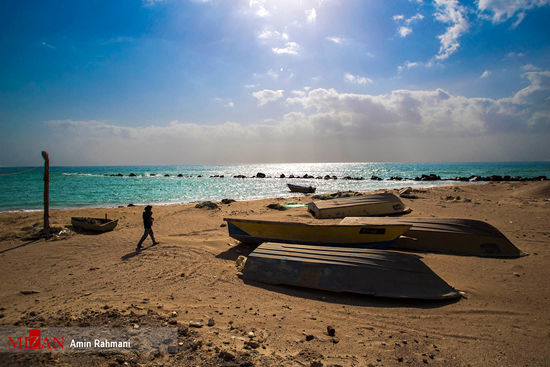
(227, 201)
(282, 175)
(207, 204)
(132, 175)
(276, 206)
(260, 175)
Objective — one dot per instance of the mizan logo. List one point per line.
(34, 341)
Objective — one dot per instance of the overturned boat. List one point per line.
(338, 269)
(447, 235)
(357, 206)
(94, 224)
(356, 235)
(301, 189)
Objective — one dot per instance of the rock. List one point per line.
(26, 292)
(260, 175)
(226, 356)
(223, 225)
(276, 206)
(240, 262)
(180, 175)
(316, 364)
(282, 175)
(227, 201)
(309, 337)
(195, 324)
(172, 349)
(207, 204)
(251, 344)
(132, 175)
(335, 340)
(153, 174)
(251, 334)
(130, 205)
(211, 322)
(173, 314)
(331, 331)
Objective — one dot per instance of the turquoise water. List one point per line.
(72, 187)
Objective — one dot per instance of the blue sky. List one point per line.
(218, 81)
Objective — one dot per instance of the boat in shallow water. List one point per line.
(94, 224)
(356, 206)
(447, 235)
(257, 231)
(338, 269)
(301, 189)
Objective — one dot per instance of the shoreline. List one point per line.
(94, 280)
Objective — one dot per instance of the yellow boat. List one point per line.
(358, 206)
(258, 231)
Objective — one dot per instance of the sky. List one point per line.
(271, 81)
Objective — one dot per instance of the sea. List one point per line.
(21, 188)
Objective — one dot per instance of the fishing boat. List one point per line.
(257, 231)
(355, 206)
(94, 224)
(337, 269)
(302, 189)
(447, 235)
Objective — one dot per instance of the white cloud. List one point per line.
(530, 67)
(337, 40)
(405, 23)
(290, 48)
(453, 14)
(515, 54)
(311, 15)
(268, 95)
(408, 65)
(356, 79)
(226, 102)
(485, 74)
(503, 10)
(325, 125)
(259, 7)
(404, 31)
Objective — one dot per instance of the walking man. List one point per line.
(148, 226)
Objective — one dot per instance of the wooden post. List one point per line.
(46, 193)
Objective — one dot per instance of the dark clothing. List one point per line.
(147, 219)
(147, 232)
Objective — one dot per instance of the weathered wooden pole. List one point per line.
(46, 193)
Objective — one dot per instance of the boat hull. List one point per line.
(94, 224)
(337, 269)
(357, 206)
(301, 189)
(448, 235)
(258, 231)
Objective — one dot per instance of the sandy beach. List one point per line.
(95, 280)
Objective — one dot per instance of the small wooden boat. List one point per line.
(94, 224)
(257, 231)
(447, 235)
(356, 206)
(302, 189)
(339, 269)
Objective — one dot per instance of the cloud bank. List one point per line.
(326, 125)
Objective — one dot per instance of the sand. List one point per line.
(92, 280)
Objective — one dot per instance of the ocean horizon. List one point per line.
(21, 188)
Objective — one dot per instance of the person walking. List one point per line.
(148, 226)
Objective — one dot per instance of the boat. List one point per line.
(355, 206)
(254, 232)
(302, 189)
(362, 271)
(447, 235)
(94, 224)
